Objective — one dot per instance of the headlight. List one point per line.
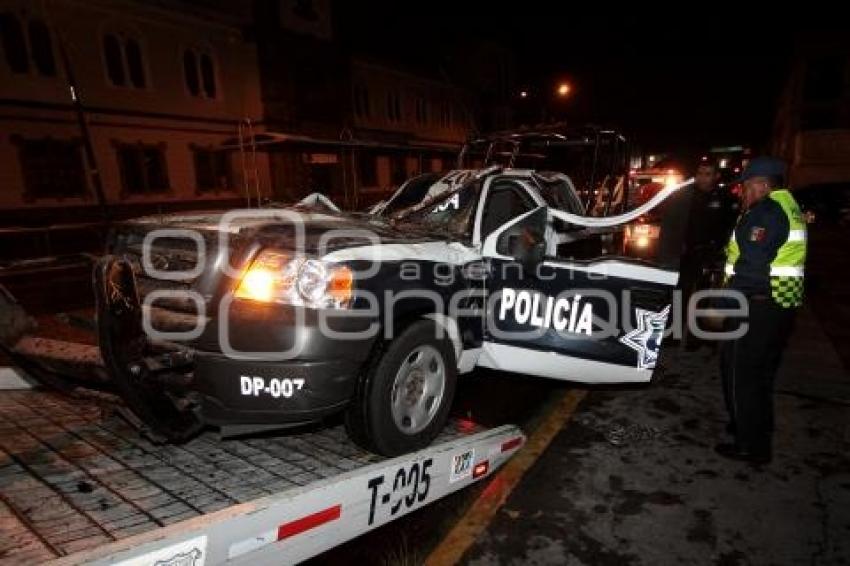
(276, 277)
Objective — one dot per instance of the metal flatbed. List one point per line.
(78, 483)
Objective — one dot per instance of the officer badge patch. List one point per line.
(757, 234)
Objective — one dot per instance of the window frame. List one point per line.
(48, 51)
(30, 193)
(33, 64)
(122, 37)
(199, 53)
(140, 147)
(485, 197)
(229, 171)
(193, 66)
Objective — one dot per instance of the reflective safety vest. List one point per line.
(786, 269)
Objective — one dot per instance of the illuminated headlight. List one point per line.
(277, 277)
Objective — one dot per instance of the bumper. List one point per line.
(174, 393)
(235, 392)
(304, 384)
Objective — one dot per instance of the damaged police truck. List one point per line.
(267, 318)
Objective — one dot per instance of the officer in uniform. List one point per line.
(764, 261)
(712, 215)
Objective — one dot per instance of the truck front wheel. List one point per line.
(404, 397)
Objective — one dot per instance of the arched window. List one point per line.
(134, 63)
(28, 46)
(14, 43)
(42, 48)
(125, 62)
(114, 60)
(199, 73)
(190, 72)
(208, 75)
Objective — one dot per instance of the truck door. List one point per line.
(597, 321)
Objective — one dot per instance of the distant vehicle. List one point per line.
(641, 236)
(596, 159)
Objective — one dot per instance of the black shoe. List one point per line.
(731, 429)
(733, 452)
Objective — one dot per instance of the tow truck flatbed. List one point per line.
(79, 484)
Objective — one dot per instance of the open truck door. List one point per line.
(599, 320)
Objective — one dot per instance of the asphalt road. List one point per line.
(633, 478)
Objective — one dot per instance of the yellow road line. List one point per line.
(462, 536)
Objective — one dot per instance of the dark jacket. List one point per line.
(711, 219)
(760, 233)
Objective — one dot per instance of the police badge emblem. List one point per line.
(646, 338)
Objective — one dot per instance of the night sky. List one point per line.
(674, 80)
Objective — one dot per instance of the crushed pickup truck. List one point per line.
(261, 319)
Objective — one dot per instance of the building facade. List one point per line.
(812, 127)
(145, 106)
(351, 127)
(159, 87)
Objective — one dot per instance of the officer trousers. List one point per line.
(748, 368)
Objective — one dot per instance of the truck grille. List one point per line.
(168, 256)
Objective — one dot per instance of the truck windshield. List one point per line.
(453, 214)
(412, 192)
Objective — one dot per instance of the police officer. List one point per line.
(712, 215)
(764, 261)
(710, 220)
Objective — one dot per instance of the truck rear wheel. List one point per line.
(403, 400)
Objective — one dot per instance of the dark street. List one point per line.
(633, 480)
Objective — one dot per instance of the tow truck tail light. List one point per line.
(511, 444)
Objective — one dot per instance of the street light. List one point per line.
(563, 90)
(523, 94)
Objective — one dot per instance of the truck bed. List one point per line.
(75, 476)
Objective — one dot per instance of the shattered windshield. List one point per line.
(425, 187)
(449, 201)
(412, 192)
(454, 214)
